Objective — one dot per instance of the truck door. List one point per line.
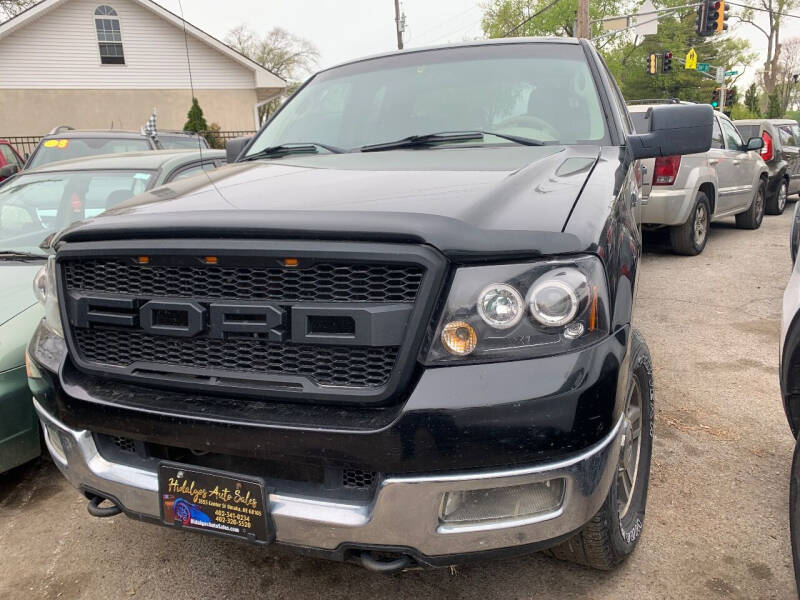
(790, 141)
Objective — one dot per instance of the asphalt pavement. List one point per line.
(717, 516)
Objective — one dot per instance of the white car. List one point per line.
(686, 193)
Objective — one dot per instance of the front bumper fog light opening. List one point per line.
(54, 438)
(502, 503)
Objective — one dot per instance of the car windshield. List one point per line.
(32, 206)
(541, 91)
(180, 142)
(52, 150)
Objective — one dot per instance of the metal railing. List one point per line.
(216, 139)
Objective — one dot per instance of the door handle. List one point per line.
(713, 161)
(736, 162)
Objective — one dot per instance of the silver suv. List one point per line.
(686, 192)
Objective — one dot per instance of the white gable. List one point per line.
(57, 48)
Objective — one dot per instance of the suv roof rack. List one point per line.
(655, 101)
(60, 128)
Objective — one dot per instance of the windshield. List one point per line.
(540, 91)
(34, 206)
(52, 150)
(180, 142)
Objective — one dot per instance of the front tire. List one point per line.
(777, 204)
(752, 217)
(612, 534)
(690, 238)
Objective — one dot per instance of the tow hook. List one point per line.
(378, 565)
(96, 510)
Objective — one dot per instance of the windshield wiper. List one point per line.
(292, 148)
(20, 255)
(445, 137)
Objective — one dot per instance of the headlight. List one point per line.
(44, 287)
(507, 312)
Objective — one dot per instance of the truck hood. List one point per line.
(464, 201)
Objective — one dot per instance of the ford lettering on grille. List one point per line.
(322, 327)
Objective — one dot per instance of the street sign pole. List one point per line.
(722, 97)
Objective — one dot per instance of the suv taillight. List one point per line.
(766, 151)
(666, 170)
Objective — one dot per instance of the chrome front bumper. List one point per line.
(404, 511)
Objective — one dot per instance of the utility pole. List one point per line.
(399, 24)
(583, 20)
(722, 97)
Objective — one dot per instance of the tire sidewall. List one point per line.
(701, 199)
(783, 187)
(628, 530)
(762, 191)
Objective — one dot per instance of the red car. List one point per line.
(9, 157)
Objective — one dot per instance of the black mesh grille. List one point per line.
(352, 366)
(124, 444)
(324, 282)
(356, 478)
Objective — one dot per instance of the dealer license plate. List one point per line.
(214, 502)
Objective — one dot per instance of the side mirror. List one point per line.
(755, 143)
(235, 146)
(8, 171)
(675, 129)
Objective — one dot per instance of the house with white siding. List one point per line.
(102, 64)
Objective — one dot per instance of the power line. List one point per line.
(446, 22)
(533, 16)
(774, 12)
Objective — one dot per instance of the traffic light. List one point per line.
(715, 98)
(730, 97)
(707, 15)
(721, 22)
(652, 63)
(666, 63)
(712, 16)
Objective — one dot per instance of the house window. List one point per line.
(109, 38)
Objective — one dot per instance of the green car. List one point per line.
(34, 204)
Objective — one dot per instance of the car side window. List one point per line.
(9, 155)
(787, 135)
(732, 138)
(716, 136)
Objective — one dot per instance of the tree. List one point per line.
(751, 100)
(288, 56)
(9, 8)
(787, 72)
(626, 53)
(195, 120)
(503, 16)
(774, 107)
(773, 35)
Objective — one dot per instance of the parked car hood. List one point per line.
(465, 201)
(16, 293)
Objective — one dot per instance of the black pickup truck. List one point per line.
(397, 331)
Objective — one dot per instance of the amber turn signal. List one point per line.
(459, 338)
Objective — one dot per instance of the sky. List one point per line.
(347, 29)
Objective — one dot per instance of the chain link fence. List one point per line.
(216, 139)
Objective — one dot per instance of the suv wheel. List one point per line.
(690, 238)
(614, 531)
(777, 203)
(752, 217)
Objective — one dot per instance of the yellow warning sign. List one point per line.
(691, 59)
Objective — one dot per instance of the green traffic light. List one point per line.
(715, 104)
